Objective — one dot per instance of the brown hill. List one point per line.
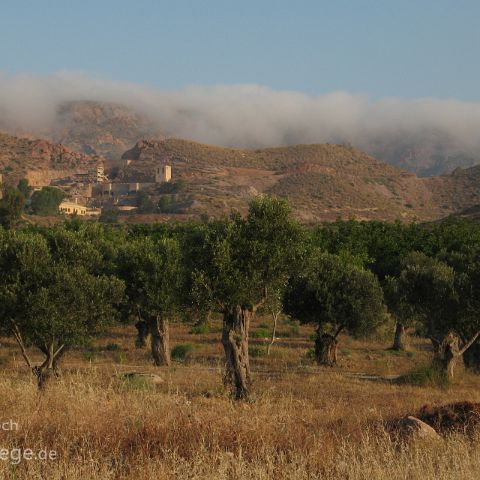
(322, 182)
(39, 160)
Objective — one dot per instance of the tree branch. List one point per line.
(60, 348)
(469, 344)
(18, 338)
(337, 333)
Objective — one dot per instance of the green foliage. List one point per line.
(108, 216)
(144, 202)
(335, 295)
(164, 204)
(172, 187)
(46, 201)
(260, 333)
(255, 351)
(183, 351)
(11, 207)
(53, 297)
(152, 272)
(236, 261)
(24, 188)
(200, 329)
(426, 289)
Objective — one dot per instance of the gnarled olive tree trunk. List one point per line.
(326, 349)
(142, 333)
(236, 323)
(159, 340)
(449, 352)
(49, 367)
(399, 338)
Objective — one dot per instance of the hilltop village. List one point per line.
(91, 191)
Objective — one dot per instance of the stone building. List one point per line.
(163, 173)
(72, 208)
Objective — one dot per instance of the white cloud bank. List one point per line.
(246, 115)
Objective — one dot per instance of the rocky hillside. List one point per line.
(39, 160)
(322, 182)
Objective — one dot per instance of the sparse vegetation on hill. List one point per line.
(39, 161)
(322, 182)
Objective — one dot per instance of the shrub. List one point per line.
(46, 201)
(183, 351)
(260, 333)
(199, 329)
(254, 351)
(109, 216)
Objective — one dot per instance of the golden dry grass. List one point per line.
(302, 423)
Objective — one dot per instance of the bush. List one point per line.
(199, 329)
(310, 354)
(260, 333)
(172, 187)
(112, 347)
(144, 202)
(254, 351)
(164, 204)
(109, 216)
(183, 351)
(46, 201)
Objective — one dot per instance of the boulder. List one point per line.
(414, 427)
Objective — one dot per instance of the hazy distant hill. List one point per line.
(426, 153)
(100, 128)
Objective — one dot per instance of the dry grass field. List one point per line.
(303, 422)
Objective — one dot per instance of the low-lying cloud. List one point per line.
(248, 115)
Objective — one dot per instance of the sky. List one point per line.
(407, 49)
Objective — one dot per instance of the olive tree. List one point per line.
(400, 309)
(446, 300)
(11, 206)
(48, 303)
(238, 261)
(335, 296)
(152, 271)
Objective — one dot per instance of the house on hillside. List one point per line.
(163, 173)
(72, 208)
